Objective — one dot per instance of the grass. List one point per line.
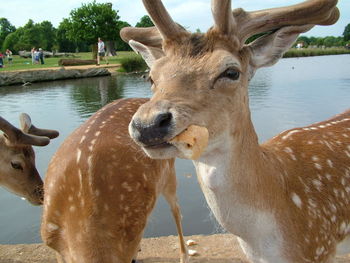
(19, 63)
(132, 62)
(307, 52)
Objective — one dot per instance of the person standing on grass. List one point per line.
(9, 56)
(41, 56)
(1, 60)
(32, 52)
(101, 53)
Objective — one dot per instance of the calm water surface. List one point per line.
(295, 92)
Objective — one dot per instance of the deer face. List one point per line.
(202, 79)
(191, 90)
(18, 173)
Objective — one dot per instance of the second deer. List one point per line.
(18, 172)
(100, 189)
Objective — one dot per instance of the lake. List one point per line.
(295, 92)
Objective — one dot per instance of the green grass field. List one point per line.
(26, 63)
(19, 63)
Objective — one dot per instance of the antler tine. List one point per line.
(28, 127)
(148, 36)
(316, 12)
(162, 20)
(224, 21)
(10, 130)
(17, 137)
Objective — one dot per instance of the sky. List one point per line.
(192, 14)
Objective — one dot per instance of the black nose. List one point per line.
(155, 132)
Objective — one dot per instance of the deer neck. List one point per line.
(233, 173)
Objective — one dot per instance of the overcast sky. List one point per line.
(192, 14)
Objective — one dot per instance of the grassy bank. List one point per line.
(26, 63)
(308, 52)
(133, 62)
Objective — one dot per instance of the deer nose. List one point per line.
(153, 132)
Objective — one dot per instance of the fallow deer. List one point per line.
(287, 200)
(100, 188)
(18, 173)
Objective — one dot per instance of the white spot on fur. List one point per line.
(318, 166)
(82, 138)
(52, 227)
(78, 155)
(289, 134)
(296, 199)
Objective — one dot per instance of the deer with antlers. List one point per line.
(18, 173)
(100, 188)
(287, 200)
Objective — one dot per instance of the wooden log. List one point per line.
(76, 62)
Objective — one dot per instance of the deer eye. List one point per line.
(230, 73)
(16, 166)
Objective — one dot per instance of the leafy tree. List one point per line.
(47, 35)
(94, 20)
(10, 42)
(145, 21)
(304, 40)
(329, 41)
(346, 33)
(121, 45)
(6, 28)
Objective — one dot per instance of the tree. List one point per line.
(346, 33)
(94, 20)
(47, 37)
(6, 28)
(145, 21)
(121, 45)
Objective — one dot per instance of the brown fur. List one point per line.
(100, 216)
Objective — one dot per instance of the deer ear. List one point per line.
(149, 54)
(268, 49)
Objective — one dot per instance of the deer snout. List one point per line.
(152, 132)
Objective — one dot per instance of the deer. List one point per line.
(100, 188)
(287, 199)
(18, 172)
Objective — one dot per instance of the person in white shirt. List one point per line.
(101, 53)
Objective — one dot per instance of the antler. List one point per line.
(28, 127)
(148, 36)
(162, 20)
(224, 21)
(18, 137)
(315, 12)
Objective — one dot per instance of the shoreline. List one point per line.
(216, 248)
(32, 75)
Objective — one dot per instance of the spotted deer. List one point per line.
(287, 200)
(100, 188)
(18, 173)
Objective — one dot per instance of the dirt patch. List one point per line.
(222, 248)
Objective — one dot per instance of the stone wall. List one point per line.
(24, 77)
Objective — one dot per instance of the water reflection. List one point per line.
(89, 95)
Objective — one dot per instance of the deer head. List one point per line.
(202, 79)
(18, 173)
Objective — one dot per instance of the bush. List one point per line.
(132, 64)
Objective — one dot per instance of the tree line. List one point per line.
(79, 32)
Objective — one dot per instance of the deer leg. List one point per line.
(170, 195)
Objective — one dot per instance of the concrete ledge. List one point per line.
(221, 248)
(21, 77)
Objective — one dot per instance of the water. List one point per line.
(293, 93)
